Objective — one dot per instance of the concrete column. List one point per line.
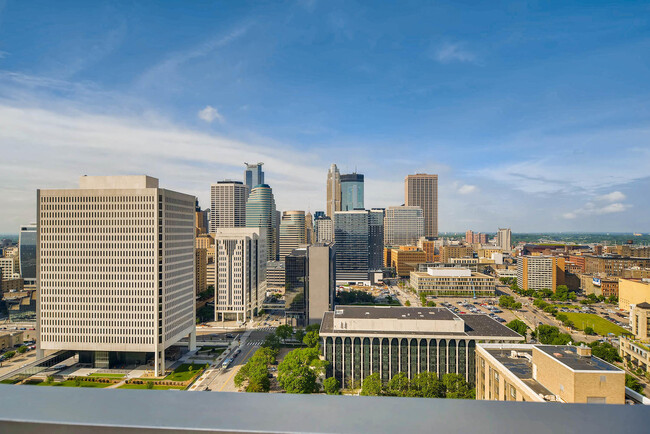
(162, 362)
(156, 362)
(192, 339)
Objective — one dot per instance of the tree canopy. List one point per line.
(550, 335)
(519, 326)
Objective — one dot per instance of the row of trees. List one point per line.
(593, 298)
(255, 373)
(508, 302)
(426, 303)
(422, 385)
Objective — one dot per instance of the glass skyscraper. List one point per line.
(253, 175)
(27, 249)
(351, 192)
(351, 233)
(261, 213)
(376, 239)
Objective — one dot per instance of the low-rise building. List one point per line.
(635, 350)
(633, 292)
(405, 259)
(542, 373)
(10, 339)
(453, 282)
(362, 340)
(275, 271)
(452, 251)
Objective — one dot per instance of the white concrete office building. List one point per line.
(228, 205)
(240, 259)
(403, 225)
(115, 271)
(324, 230)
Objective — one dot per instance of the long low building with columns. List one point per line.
(362, 340)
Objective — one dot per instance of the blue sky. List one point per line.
(535, 115)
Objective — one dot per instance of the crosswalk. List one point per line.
(255, 343)
(267, 329)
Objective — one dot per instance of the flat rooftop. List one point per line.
(568, 355)
(394, 312)
(473, 325)
(521, 367)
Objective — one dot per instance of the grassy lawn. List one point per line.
(183, 373)
(97, 374)
(144, 386)
(600, 325)
(71, 383)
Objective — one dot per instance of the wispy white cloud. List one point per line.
(614, 196)
(167, 69)
(449, 52)
(467, 189)
(210, 114)
(594, 209)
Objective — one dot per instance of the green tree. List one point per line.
(407, 303)
(22, 349)
(518, 326)
(312, 328)
(298, 371)
(633, 383)
(457, 387)
(284, 332)
(568, 323)
(550, 335)
(299, 334)
(150, 385)
(431, 304)
(561, 317)
(49, 379)
(272, 341)
(605, 351)
(77, 381)
(311, 339)
(427, 385)
(332, 386)
(9, 354)
(589, 330)
(371, 385)
(398, 385)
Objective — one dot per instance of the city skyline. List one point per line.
(384, 94)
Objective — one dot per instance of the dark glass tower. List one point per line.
(351, 192)
(253, 175)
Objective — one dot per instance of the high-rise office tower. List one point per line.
(319, 214)
(27, 253)
(201, 220)
(228, 205)
(376, 238)
(504, 239)
(240, 260)
(116, 270)
(292, 232)
(310, 278)
(253, 175)
(422, 190)
(260, 213)
(333, 191)
(403, 225)
(324, 230)
(352, 192)
(352, 235)
(309, 228)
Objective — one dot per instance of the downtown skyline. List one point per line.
(188, 97)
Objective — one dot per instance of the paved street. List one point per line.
(219, 379)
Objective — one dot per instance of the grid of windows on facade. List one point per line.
(97, 268)
(177, 227)
(352, 359)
